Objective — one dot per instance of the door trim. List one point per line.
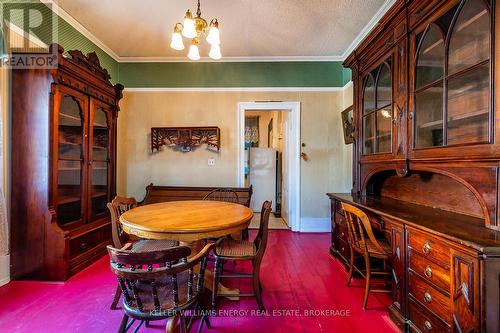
(293, 145)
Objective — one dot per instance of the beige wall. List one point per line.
(328, 169)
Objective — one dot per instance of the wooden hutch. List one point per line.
(63, 165)
(427, 160)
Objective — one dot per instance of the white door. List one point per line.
(285, 165)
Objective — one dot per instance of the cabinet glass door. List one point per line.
(452, 78)
(377, 110)
(70, 165)
(100, 162)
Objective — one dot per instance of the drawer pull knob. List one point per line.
(83, 246)
(428, 272)
(341, 234)
(427, 325)
(427, 247)
(427, 297)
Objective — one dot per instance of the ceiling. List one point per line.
(250, 29)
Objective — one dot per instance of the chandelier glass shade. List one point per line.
(194, 28)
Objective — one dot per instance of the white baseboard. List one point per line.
(315, 224)
(4, 270)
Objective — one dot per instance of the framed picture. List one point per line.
(348, 124)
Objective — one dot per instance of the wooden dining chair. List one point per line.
(228, 195)
(117, 207)
(160, 284)
(243, 250)
(223, 194)
(362, 241)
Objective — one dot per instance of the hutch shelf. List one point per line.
(427, 160)
(63, 166)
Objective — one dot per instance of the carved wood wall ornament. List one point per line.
(185, 138)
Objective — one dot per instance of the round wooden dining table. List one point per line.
(188, 222)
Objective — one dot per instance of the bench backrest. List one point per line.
(155, 194)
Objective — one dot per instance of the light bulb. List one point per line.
(215, 52)
(213, 37)
(177, 43)
(194, 53)
(189, 29)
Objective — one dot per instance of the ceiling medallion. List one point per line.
(193, 28)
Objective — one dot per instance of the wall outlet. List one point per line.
(211, 162)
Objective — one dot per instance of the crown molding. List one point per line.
(238, 89)
(235, 59)
(363, 33)
(80, 28)
(368, 27)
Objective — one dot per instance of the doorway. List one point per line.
(273, 150)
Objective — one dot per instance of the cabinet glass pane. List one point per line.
(430, 63)
(470, 38)
(369, 134)
(100, 164)
(69, 191)
(384, 130)
(70, 127)
(99, 187)
(101, 136)
(429, 117)
(384, 87)
(369, 95)
(468, 106)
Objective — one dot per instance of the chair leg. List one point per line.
(123, 324)
(256, 287)
(182, 320)
(368, 276)
(215, 286)
(118, 293)
(204, 319)
(351, 266)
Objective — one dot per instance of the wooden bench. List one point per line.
(156, 193)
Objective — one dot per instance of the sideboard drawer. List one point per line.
(429, 271)
(343, 249)
(429, 247)
(425, 321)
(89, 240)
(430, 297)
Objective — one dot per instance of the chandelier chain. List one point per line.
(198, 12)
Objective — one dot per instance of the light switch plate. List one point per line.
(211, 162)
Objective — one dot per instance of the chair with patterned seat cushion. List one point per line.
(161, 284)
(117, 207)
(243, 250)
(362, 240)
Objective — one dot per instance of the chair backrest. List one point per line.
(223, 194)
(159, 283)
(260, 240)
(359, 228)
(117, 207)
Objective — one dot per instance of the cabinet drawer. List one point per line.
(342, 231)
(430, 297)
(430, 272)
(343, 248)
(89, 240)
(425, 321)
(430, 247)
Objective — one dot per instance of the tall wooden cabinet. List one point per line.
(427, 160)
(63, 166)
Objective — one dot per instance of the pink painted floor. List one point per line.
(298, 276)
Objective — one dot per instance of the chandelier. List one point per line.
(194, 28)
